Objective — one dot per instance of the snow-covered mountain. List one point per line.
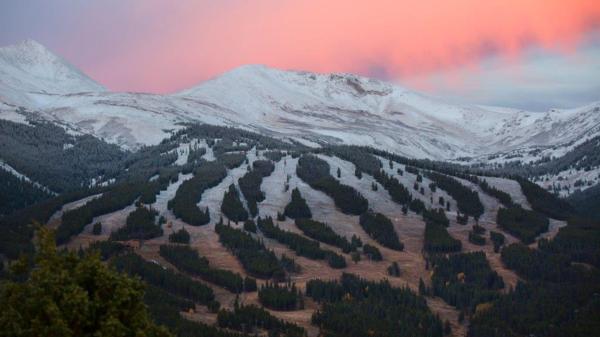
(307, 107)
(29, 68)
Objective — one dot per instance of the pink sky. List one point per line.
(164, 46)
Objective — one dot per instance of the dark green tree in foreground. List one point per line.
(67, 295)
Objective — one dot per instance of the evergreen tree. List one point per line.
(67, 295)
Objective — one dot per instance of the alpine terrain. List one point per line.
(288, 203)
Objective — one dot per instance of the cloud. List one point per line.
(164, 46)
(541, 79)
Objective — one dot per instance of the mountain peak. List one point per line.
(28, 68)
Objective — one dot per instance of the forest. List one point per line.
(297, 207)
(299, 244)
(522, 223)
(188, 260)
(322, 232)
(348, 306)
(283, 297)
(74, 221)
(438, 240)
(251, 181)
(180, 236)
(315, 172)
(254, 256)
(168, 280)
(16, 193)
(232, 206)
(381, 229)
(467, 200)
(183, 205)
(555, 280)
(464, 280)
(248, 318)
(545, 202)
(556, 293)
(140, 225)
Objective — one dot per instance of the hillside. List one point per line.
(284, 203)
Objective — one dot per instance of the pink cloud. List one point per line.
(173, 45)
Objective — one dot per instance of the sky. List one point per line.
(529, 54)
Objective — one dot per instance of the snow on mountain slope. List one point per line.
(28, 67)
(365, 111)
(312, 108)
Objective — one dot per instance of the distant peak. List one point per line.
(28, 46)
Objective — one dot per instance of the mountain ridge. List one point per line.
(297, 105)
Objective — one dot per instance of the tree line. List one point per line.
(381, 229)
(140, 225)
(188, 260)
(299, 244)
(284, 297)
(254, 256)
(184, 203)
(251, 181)
(315, 172)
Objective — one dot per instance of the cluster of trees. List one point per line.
(522, 223)
(140, 225)
(315, 172)
(380, 228)
(232, 160)
(417, 206)
(74, 221)
(504, 198)
(297, 207)
(274, 156)
(578, 241)
(251, 181)
(62, 294)
(166, 279)
(464, 280)
(437, 216)
(394, 269)
(248, 318)
(397, 191)
(322, 232)
(150, 189)
(184, 203)
(497, 239)
(476, 238)
(277, 296)
(366, 162)
(229, 144)
(195, 155)
(250, 226)
(188, 260)
(254, 256)
(354, 307)
(555, 281)
(299, 244)
(108, 248)
(180, 236)
(372, 252)
(165, 309)
(467, 200)
(438, 240)
(544, 201)
(232, 206)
